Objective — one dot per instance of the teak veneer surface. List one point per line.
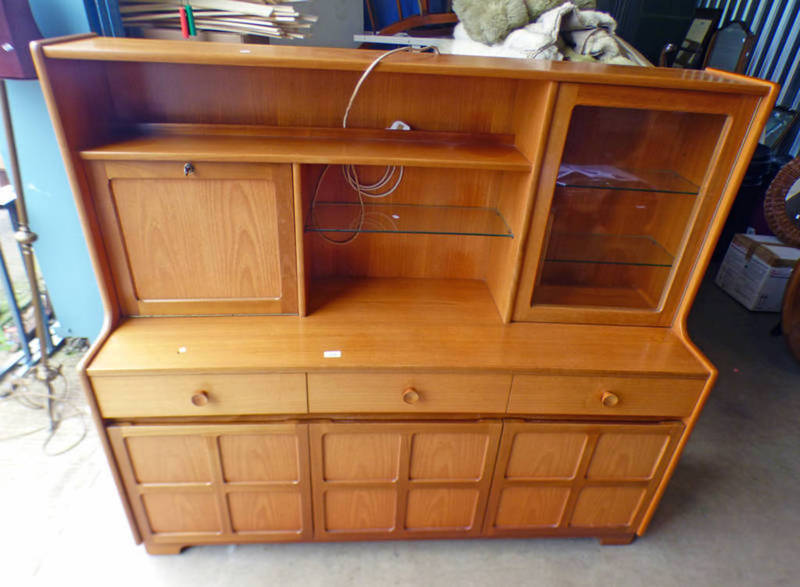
(425, 324)
(358, 150)
(107, 49)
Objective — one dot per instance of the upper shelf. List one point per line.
(328, 58)
(609, 177)
(246, 144)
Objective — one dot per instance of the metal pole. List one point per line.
(14, 307)
(25, 237)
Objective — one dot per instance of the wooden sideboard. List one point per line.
(499, 349)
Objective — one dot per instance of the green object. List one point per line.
(490, 21)
(538, 7)
(190, 21)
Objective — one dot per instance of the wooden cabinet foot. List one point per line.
(164, 548)
(617, 540)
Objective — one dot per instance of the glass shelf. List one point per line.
(610, 249)
(408, 219)
(614, 178)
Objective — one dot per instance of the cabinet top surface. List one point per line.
(94, 48)
(437, 325)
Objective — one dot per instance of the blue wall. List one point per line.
(61, 249)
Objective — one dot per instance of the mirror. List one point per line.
(730, 48)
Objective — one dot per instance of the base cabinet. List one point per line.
(569, 478)
(396, 480)
(199, 484)
(216, 483)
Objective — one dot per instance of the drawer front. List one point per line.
(200, 395)
(604, 396)
(407, 393)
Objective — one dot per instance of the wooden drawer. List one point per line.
(200, 395)
(407, 393)
(604, 396)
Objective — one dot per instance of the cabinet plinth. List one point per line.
(493, 346)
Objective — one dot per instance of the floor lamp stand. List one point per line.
(44, 372)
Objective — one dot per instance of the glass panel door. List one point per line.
(623, 203)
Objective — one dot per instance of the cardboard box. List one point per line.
(756, 270)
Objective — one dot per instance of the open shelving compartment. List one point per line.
(468, 165)
(440, 225)
(628, 188)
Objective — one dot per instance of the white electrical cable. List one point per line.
(384, 186)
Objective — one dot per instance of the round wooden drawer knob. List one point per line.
(200, 398)
(609, 399)
(410, 395)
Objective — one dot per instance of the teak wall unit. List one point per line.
(501, 351)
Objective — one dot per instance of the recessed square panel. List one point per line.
(627, 456)
(448, 456)
(368, 510)
(181, 512)
(169, 459)
(361, 457)
(441, 509)
(266, 511)
(531, 507)
(259, 457)
(607, 507)
(544, 455)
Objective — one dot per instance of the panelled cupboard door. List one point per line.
(565, 478)
(401, 480)
(629, 183)
(198, 238)
(216, 483)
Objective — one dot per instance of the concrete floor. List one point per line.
(731, 515)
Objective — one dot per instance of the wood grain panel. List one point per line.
(637, 396)
(627, 456)
(546, 455)
(440, 456)
(273, 511)
(291, 97)
(171, 395)
(169, 459)
(370, 392)
(167, 224)
(181, 512)
(260, 457)
(607, 506)
(361, 457)
(360, 510)
(531, 507)
(440, 509)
